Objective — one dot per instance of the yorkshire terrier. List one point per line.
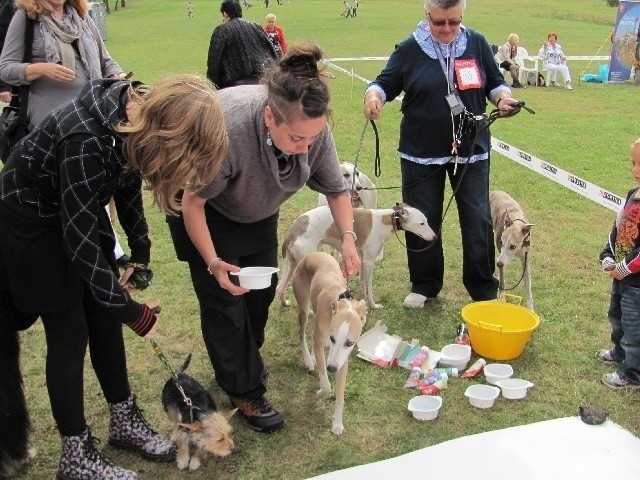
(198, 425)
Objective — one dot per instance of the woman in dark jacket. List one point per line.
(56, 251)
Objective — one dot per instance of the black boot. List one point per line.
(80, 460)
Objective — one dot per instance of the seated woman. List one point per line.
(507, 59)
(555, 61)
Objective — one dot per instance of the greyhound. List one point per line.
(318, 284)
(512, 234)
(372, 227)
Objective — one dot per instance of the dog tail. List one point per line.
(14, 418)
(185, 365)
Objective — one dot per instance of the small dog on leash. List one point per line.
(372, 227)
(512, 234)
(200, 425)
(318, 285)
(363, 193)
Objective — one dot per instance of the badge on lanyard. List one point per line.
(467, 74)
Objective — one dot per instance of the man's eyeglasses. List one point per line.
(442, 23)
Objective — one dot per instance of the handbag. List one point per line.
(14, 124)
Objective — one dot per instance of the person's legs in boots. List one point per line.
(67, 335)
(232, 348)
(478, 250)
(423, 188)
(128, 428)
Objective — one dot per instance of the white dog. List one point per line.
(318, 285)
(363, 193)
(512, 236)
(372, 227)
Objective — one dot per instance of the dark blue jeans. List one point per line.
(624, 316)
(423, 188)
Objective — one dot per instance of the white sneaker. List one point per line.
(414, 300)
(553, 84)
(568, 86)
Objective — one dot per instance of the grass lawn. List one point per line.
(586, 131)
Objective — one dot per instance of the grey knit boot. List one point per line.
(80, 460)
(129, 429)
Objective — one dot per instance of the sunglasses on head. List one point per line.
(442, 23)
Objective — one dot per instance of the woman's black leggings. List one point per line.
(67, 335)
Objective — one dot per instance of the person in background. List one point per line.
(507, 59)
(190, 11)
(275, 34)
(6, 14)
(620, 259)
(56, 248)
(279, 141)
(68, 52)
(555, 61)
(239, 50)
(445, 70)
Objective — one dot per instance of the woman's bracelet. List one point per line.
(349, 232)
(209, 264)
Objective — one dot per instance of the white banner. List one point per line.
(558, 175)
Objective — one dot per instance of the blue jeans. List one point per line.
(624, 317)
(423, 188)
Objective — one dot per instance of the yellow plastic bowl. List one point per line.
(499, 330)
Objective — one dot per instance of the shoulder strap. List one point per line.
(23, 91)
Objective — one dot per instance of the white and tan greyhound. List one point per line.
(318, 285)
(372, 227)
(512, 233)
(363, 195)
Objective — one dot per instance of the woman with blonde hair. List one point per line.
(507, 59)
(57, 260)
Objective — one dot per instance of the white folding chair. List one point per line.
(527, 65)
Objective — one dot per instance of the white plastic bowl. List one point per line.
(514, 388)
(425, 407)
(482, 396)
(255, 278)
(494, 372)
(455, 356)
(446, 363)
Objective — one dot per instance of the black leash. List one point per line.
(174, 375)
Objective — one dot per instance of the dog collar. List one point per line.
(396, 217)
(346, 295)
